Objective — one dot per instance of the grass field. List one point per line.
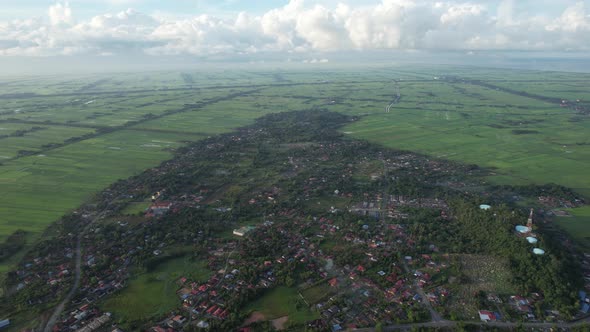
(154, 293)
(279, 302)
(578, 225)
(136, 208)
(132, 121)
(317, 293)
(523, 143)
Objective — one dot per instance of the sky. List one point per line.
(42, 28)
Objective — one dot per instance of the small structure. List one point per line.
(203, 324)
(522, 229)
(485, 207)
(538, 251)
(333, 282)
(487, 316)
(529, 223)
(243, 230)
(4, 323)
(531, 240)
(158, 209)
(96, 323)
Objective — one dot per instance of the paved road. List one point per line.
(59, 309)
(434, 315)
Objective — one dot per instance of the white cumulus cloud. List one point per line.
(60, 13)
(302, 26)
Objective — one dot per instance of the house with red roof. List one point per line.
(487, 316)
(333, 282)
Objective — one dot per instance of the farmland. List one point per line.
(369, 271)
(577, 225)
(93, 130)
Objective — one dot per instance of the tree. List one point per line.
(379, 327)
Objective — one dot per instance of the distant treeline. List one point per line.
(13, 244)
(533, 190)
(22, 132)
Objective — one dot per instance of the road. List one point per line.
(59, 309)
(78, 272)
(434, 315)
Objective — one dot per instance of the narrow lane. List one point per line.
(60, 307)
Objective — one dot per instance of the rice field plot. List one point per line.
(65, 110)
(9, 132)
(493, 74)
(577, 225)
(36, 108)
(142, 106)
(37, 140)
(524, 142)
(571, 90)
(223, 116)
(45, 84)
(12, 128)
(39, 189)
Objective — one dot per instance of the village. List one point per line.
(346, 233)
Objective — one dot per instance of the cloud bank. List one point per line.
(300, 27)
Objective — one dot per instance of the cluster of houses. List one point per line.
(394, 206)
(52, 271)
(85, 318)
(359, 292)
(583, 294)
(517, 306)
(560, 202)
(372, 285)
(364, 298)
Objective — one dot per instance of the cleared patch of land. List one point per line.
(480, 273)
(136, 208)
(317, 293)
(282, 301)
(154, 293)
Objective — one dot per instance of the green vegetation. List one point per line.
(130, 128)
(13, 244)
(282, 301)
(577, 225)
(153, 293)
(316, 293)
(69, 137)
(136, 207)
(475, 231)
(287, 171)
(521, 139)
(480, 273)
